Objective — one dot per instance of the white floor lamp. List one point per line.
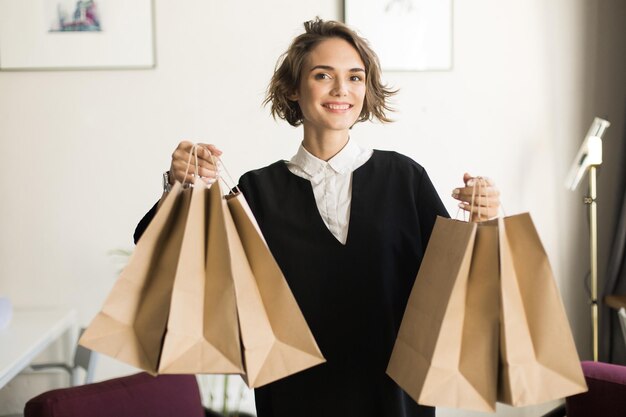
(588, 159)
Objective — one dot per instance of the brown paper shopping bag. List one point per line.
(202, 330)
(539, 358)
(131, 325)
(199, 287)
(446, 352)
(276, 339)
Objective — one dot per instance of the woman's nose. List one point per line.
(339, 88)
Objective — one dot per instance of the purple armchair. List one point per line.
(606, 396)
(129, 396)
(607, 392)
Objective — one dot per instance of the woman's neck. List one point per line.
(324, 145)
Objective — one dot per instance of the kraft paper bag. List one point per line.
(539, 359)
(276, 339)
(131, 325)
(202, 293)
(446, 352)
(203, 331)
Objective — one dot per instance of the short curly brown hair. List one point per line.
(286, 78)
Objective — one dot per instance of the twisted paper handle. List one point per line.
(232, 186)
(192, 154)
(479, 184)
(219, 166)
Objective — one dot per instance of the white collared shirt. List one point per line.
(332, 183)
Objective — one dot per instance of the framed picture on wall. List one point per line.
(76, 34)
(407, 35)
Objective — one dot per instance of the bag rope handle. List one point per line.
(193, 153)
(479, 184)
(219, 166)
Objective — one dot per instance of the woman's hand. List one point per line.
(206, 168)
(486, 197)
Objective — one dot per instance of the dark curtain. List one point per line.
(612, 346)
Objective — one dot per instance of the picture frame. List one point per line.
(76, 35)
(407, 35)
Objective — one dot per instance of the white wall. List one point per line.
(81, 153)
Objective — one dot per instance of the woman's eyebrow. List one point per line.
(329, 68)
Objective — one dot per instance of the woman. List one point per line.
(348, 226)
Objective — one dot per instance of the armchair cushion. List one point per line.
(607, 391)
(130, 396)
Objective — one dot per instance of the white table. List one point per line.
(30, 332)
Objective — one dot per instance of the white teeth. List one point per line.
(338, 106)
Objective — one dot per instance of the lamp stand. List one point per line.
(588, 158)
(593, 251)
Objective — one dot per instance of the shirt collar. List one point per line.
(341, 163)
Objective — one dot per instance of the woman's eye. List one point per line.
(356, 78)
(322, 76)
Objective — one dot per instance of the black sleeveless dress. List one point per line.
(352, 296)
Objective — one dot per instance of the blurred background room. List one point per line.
(82, 150)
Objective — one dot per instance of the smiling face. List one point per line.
(332, 86)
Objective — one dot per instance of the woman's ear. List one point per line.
(293, 96)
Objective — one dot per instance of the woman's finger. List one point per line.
(183, 153)
(481, 201)
(184, 160)
(180, 169)
(476, 208)
(466, 193)
(212, 148)
(479, 181)
(482, 213)
(204, 151)
(184, 146)
(206, 154)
